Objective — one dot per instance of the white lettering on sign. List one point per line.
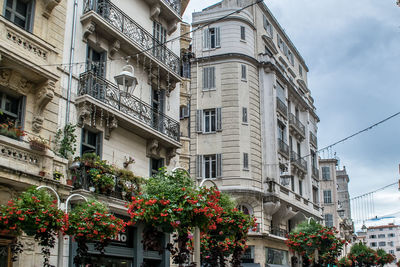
(121, 237)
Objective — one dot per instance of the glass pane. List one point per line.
(214, 168)
(9, 3)
(207, 121)
(3, 256)
(91, 138)
(8, 15)
(207, 167)
(19, 22)
(213, 122)
(11, 105)
(21, 8)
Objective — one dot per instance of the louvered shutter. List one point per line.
(206, 39)
(219, 119)
(205, 78)
(199, 121)
(219, 165)
(217, 37)
(199, 166)
(212, 77)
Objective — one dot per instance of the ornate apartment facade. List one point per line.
(123, 94)
(253, 123)
(31, 44)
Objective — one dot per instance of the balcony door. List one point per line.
(160, 36)
(96, 68)
(158, 103)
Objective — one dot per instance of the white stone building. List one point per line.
(386, 237)
(254, 124)
(104, 38)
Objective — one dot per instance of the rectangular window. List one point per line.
(301, 187)
(155, 165)
(209, 121)
(276, 256)
(267, 26)
(391, 235)
(327, 196)
(373, 244)
(292, 183)
(300, 70)
(160, 37)
(381, 236)
(291, 57)
(248, 255)
(91, 142)
(244, 73)
(183, 112)
(326, 173)
(372, 236)
(391, 252)
(211, 38)
(390, 243)
(328, 220)
(397, 248)
(245, 161)
(244, 115)
(382, 244)
(20, 12)
(96, 62)
(11, 106)
(210, 166)
(242, 33)
(208, 78)
(315, 195)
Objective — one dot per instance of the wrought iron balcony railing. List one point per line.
(296, 159)
(134, 32)
(174, 4)
(281, 107)
(313, 139)
(293, 120)
(109, 94)
(278, 232)
(283, 147)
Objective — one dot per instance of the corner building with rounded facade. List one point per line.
(253, 124)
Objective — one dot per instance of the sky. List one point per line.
(352, 49)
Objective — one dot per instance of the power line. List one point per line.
(377, 190)
(159, 44)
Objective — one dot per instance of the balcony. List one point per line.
(281, 107)
(283, 148)
(170, 10)
(313, 139)
(296, 127)
(276, 231)
(315, 173)
(298, 162)
(126, 34)
(126, 110)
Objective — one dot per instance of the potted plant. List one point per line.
(10, 130)
(57, 175)
(42, 172)
(38, 143)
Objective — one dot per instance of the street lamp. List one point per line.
(126, 80)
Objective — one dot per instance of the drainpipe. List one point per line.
(71, 58)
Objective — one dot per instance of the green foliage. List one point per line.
(363, 255)
(65, 141)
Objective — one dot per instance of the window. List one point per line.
(245, 209)
(208, 78)
(242, 33)
(380, 229)
(267, 26)
(300, 70)
(292, 182)
(373, 244)
(155, 165)
(391, 235)
(12, 107)
(244, 73)
(209, 120)
(244, 115)
(328, 220)
(211, 38)
(6, 252)
(391, 252)
(91, 142)
(391, 244)
(315, 195)
(184, 112)
(327, 196)
(382, 244)
(372, 236)
(300, 187)
(381, 236)
(160, 37)
(397, 248)
(276, 256)
(281, 92)
(245, 161)
(210, 166)
(20, 12)
(96, 62)
(291, 57)
(326, 173)
(248, 255)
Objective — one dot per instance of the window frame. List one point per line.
(245, 161)
(324, 177)
(155, 171)
(328, 218)
(20, 101)
(243, 69)
(327, 197)
(209, 81)
(30, 14)
(212, 161)
(212, 38)
(211, 115)
(242, 33)
(245, 115)
(99, 141)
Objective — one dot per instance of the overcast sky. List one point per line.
(353, 51)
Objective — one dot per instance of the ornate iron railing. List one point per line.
(109, 94)
(297, 124)
(134, 32)
(313, 139)
(299, 161)
(283, 147)
(174, 4)
(281, 106)
(278, 232)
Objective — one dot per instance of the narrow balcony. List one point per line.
(105, 18)
(296, 127)
(298, 161)
(283, 148)
(281, 107)
(313, 139)
(127, 110)
(315, 173)
(276, 231)
(168, 9)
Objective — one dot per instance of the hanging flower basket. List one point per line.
(38, 144)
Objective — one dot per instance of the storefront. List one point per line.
(276, 257)
(126, 251)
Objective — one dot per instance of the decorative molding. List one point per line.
(88, 29)
(13, 80)
(113, 124)
(171, 153)
(270, 43)
(22, 42)
(43, 97)
(37, 123)
(153, 149)
(172, 26)
(49, 6)
(84, 114)
(19, 155)
(114, 48)
(155, 11)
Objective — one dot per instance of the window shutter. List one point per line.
(219, 119)
(199, 166)
(199, 121)
(206, 42)
(219, 165)
(265, 22)
(217, 37)
(212, 77)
